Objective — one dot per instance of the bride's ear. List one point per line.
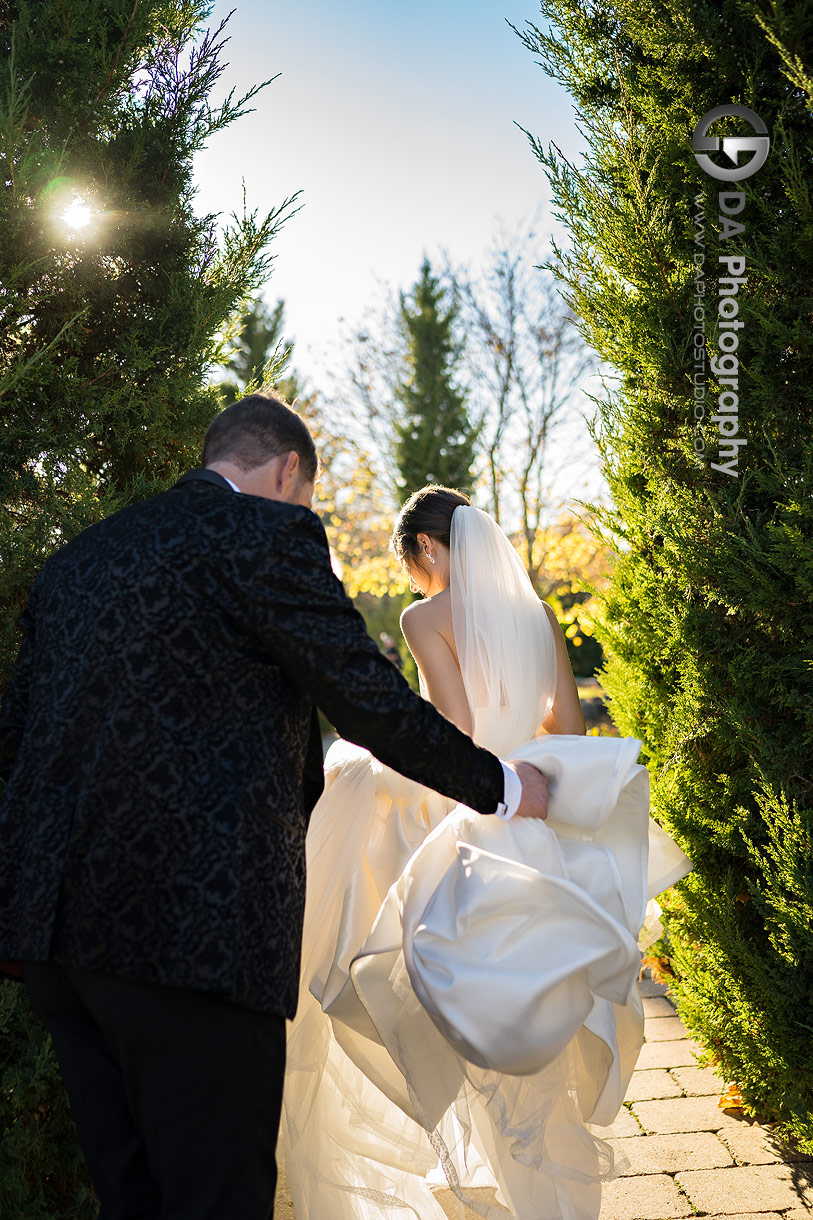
(427, 546)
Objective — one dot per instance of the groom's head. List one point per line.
(264, 447)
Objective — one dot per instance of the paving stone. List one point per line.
(646, 1085)
(647, 987)
(452, 1206)
(652, 1198)
(678, 1053)
(657, 1006)
(681, 1114)
(698, 1082)
(747, 1188)
(758, 1216)
(756, 1145)
(624, 1126)
(283, 1206)
(664, 1029)
(794, 1215)
(673, 1153)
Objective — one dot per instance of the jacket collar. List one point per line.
(205, 476)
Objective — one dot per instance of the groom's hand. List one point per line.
(534, 802)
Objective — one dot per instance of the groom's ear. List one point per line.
(293, 486)
(287, 471)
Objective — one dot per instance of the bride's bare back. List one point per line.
(427, 628)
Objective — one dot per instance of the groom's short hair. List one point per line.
(254, 430)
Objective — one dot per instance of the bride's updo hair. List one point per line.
(428, 511)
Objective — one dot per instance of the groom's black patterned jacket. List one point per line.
(162, 750)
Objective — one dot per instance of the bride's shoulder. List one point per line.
(427, 629)
(551, 613)
(430, 614)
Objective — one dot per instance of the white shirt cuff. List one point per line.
(512, 794)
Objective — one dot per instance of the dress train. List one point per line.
(468, 1013)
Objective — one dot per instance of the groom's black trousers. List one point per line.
(176, 1093)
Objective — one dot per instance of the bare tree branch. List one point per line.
(526, 358)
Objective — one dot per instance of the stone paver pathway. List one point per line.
(687, 1157)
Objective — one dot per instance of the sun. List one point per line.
(77, 215)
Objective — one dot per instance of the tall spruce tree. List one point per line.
(709, 620)
(434, 438)
(112, 292)
(258, 343)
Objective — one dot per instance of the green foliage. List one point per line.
(42, 1172)
(111, 320)
(707, 622)
(586, 656)
(256, 354)
(110, 326)
(382, 616)
(435, 441)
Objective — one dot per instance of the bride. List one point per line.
(468, 1011)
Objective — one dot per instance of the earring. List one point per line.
(431, 558)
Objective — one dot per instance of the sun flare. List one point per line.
(77, 215)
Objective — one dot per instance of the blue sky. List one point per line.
(397, 123)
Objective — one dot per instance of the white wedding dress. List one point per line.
(468, 1012)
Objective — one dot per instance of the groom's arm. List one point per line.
(319, 638)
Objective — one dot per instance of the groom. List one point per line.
(161, 747)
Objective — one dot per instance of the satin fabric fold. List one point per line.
(469, 988)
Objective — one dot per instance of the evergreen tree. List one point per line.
(708, 622)
(113, 294)
(114, 291)
(434, 438)
(257, 353)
